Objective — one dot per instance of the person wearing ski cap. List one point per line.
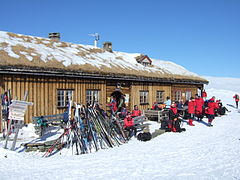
(236, 97)
(191, 110)
(129, 124)
(210, 110)
(199, 107)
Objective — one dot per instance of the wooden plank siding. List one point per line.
(42, 91)
(152, 89)
(184, 88)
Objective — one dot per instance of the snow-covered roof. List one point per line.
(30, 51)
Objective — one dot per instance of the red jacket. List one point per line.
(113, 105)
(204, 94)
(236, 97)
(128, 121)
(136, 113)
(212, 105)
(199, 104)
(191, 106)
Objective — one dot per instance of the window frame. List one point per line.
(144, 97)
(63, 97)
(178, 95)
(161, 98)
(186, 95)
(91, 95)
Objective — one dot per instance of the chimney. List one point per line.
(54, 36)
(107, 46)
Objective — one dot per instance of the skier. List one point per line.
(210, 110)
(222, 109)
(136, 112)
(204, 95)
(236, 97)
(199, 107)
(191, 110)
(129, 125)
(173, 116)
(174, 121)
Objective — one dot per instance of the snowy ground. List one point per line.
(199, 153)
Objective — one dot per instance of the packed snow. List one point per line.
(201, 152)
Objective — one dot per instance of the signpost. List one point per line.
(17, 110)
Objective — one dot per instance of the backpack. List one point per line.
(146, 136)
(236, 96)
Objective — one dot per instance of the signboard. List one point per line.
(17, 110)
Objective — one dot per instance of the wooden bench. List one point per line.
(138, 123)
(42, 123)
(155, 114)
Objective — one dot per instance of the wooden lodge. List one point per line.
(51, 82)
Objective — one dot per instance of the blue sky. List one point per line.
(201, 35)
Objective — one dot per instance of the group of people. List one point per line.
(197, 108)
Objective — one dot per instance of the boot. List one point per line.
(210, 122)
(190, 122)
(174, 129)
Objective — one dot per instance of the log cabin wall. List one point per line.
(42, 91)
(152, 89)
(184, 92)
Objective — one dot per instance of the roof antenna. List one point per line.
(96, 35)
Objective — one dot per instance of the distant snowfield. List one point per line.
(199, 153)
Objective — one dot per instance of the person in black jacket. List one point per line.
(174, 121)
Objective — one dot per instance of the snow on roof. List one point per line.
(17, 49)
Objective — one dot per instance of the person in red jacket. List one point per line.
(136, 112)
(199, 107)
(236, 97)
(113, 105)
(191, 110)
(204, 95)
(129, 125)
(210, 110)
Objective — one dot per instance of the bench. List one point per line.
(42, 123)
(155, 114)
(138, 123)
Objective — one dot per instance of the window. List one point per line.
(63, 97)
(160, 96)
(92, 95)
(188, 95)
(143, 97)
(178, 95)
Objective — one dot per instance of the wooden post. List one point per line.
(18, 125)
